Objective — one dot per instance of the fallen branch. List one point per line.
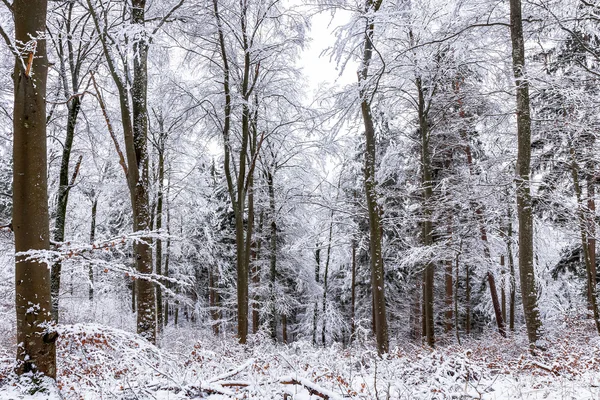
(312, 387)
(233, 372)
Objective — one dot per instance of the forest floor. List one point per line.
(98, 362)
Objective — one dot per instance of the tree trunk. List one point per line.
(581, 216)
(523, 169)
(456, 324)
(284, 333)
(496, 304)
(375, 229)
(36, 351)
(326, 273)
(449, 297)
(353, 291)
(212, 301)
(272, 257)
(316, 308)
(92, 239)
(426, 224)
(73, 106)
(468, 299)
(159, 216)
(256, 278)
(502, 288)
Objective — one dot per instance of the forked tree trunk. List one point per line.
(523, 170)
(36, 351)
(134, 119)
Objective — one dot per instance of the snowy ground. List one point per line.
(96, 362)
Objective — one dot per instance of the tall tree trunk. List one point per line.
(468, 299)
(375, 229)
(316, 308)
(353, 291)
(36, 351)
(284, 333)
(256, 277)
(582, 218)
(92, 239)
(511, 270)
(146, 294)
(73, 106)
(272, 256)
(456, 281)
(168, 254)
(326, 273)
(426, 224)
(212, 301)
(523, 170)
(449, 298)
(502, 287)
(159, 243)
(591, 227)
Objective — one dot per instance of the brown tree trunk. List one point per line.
(316, 308)
(36, 351)
(377, 270)
(449, 298)
(92, 239)
(456, 280)
(212, 301)
(256, 277)
(146, 294)
(426, 224)
(284, 332)
(523, 170)
(502, 288)
(353, 293)
(591, 212)
(159, 218)
(496, 304)
(272, 256)
(581, 216)
(468, 299)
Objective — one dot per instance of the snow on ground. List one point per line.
(97, 362)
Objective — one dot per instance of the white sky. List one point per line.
(319, 68)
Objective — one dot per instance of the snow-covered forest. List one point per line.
(295, 199)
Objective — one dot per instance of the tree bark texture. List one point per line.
(375, 229)
(36, 351)
(426, 224)
(523, 169)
